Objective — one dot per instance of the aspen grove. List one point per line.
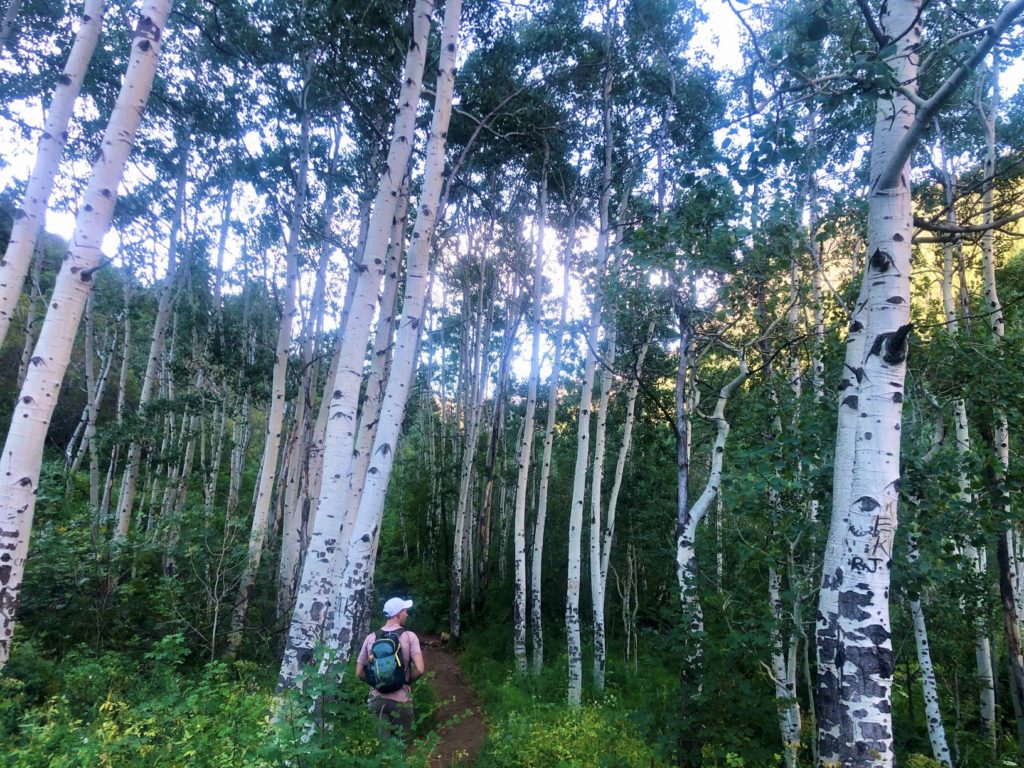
(667, 355)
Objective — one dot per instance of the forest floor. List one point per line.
(460, 715)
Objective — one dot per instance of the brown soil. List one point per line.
(460, 717)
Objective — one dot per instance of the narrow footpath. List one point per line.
(462, 728)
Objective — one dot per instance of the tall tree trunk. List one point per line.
(327, 539)
(23, 448)
(275, 418)
(688, 520)
(29, 218)
(8, 23)
(357, 573)
(855, 657)
(537, 560)
(126, 498)
(526, 446)
(596, 482)
(294, 529)
(380, 360)
(999, 440)
(474, 385)
(572, 603)
(975, 559)
(607, 530)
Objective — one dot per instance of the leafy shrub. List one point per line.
(552, 736)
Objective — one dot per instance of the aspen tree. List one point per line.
(999, 441)
(22, 455)
(929, 683)
(275, 417)
(150, 383)
(975, 559)
(854, 644)
(351, 587)
(327, 537)
(474, 389)
(572, 602)
(30, 215)
(601, 552)
(295, 525)
(537, 560)
(526, 444)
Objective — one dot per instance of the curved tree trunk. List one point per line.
(23, 448)
(29, 217)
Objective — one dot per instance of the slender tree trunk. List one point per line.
(295, 529)
(29, 218)
(327, 540)
(474, 387)
(600, 585)
(689, 519)
(537, 560)
(975, 560)
(275, 418)
(526, 446)
(572, 613)
(597, 481)
(358, 569)
(23, 448)
(8, 23)
(380, 360)
(126, 498)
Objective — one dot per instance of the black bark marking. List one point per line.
(851, 401)
(897, 397)
(64, 79)
(896, 300)
(898, 237)
(881, 261)
(867, 504)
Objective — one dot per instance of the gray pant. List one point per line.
(394, 717)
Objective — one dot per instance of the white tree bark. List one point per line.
(474, 389)
(355, 579)
(855, 659)
(690, 517)
(275, 418)
(380, 359)
(596, 528)
(537, 560)
(29, 217)
(295, 524)
(526, 446)
(320, 569)
(23, 449)
(165, 306)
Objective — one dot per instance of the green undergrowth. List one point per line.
(529, 724)
(159, 709)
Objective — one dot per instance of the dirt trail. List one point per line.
(460, 714)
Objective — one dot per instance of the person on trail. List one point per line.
(389, 660)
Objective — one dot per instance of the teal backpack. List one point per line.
(386, 667)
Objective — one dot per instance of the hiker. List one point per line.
(389, 660)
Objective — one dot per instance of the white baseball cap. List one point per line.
(395, 606)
